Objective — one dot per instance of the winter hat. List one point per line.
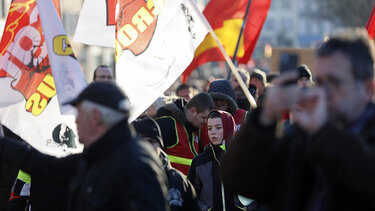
(106, 94)
(304, 71)
(222, 86)
(149, 128)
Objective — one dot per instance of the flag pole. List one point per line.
(239, 37)
(227, 58)
(1, 130)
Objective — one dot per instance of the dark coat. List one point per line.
(8, 175)
(117, 172)
(333, 169)
(204, 174)
(181, 193)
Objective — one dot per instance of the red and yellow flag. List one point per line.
(370, 26)
(226, 18)
(24, 58)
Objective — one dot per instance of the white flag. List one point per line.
(96, 23)
(29, 102)
(69, 79)
(154, 46)
(155, 42)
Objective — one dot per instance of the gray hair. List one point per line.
(110, 117)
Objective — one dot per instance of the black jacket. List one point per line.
(117, 172)
(333, 170)
(181, 193)
(204, 174)
(8, 175)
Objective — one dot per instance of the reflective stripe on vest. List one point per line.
(184, 150)
(180, 160)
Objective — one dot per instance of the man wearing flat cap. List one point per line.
(114, 171)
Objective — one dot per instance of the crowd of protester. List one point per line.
(309, 145)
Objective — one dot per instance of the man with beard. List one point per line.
(241, 99)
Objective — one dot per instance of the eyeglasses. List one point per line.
(333, 83)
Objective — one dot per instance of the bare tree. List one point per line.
(348, 13)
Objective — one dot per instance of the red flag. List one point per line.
(23, 55)
(226, 18)
(28, 77)
(370, 26)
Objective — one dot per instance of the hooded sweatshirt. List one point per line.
(204, 172)
(223, 90)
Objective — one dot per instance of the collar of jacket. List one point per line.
(232, 105)
(176, 110)
(108, 142)
(215, 152)
(166, 164)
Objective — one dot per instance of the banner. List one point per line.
(370, 26)
(226, 18)
(69, 79)
(96, 23)
(28, 101)
(155, 42)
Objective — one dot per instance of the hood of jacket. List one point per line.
(222, 90)
(228, 125)
(175, 110)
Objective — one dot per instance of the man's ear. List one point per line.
(96, 117)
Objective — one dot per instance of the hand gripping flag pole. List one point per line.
(226, 56)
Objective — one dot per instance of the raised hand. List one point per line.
(313, 110)
(284, 95)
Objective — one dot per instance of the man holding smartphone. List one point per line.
(328, 161)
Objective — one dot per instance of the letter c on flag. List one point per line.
(61, 46)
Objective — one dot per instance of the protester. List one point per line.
(304, 81)
(271, 78)
(20, 195)
(204, 172)
(224, 98)
(8, 174)
(179, 123)
(241, 99)
(103, 73)
(181, 193)
(114, 172)
(304, 76)
(185, 91)
(258, 79)
(328, 162)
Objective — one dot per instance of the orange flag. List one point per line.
(370, 26)
(226, 18)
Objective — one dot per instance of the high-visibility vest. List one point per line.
(181, 154)
(239, 116)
